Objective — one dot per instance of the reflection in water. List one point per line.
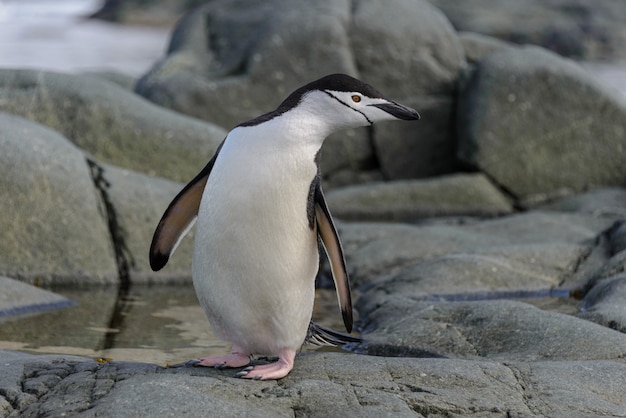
(158, 324)
(166, 325)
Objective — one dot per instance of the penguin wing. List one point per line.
(328, 233)
(179, 217)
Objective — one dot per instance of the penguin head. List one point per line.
(342, 101)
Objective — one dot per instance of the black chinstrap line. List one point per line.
(350, 107)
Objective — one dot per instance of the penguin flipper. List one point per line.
(328, 233)
(179, 217)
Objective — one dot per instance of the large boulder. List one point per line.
(111, 123)
(137, 202)
(574, 28)
(409, 50)
(230, 61)
(539, 126)
(53, 223)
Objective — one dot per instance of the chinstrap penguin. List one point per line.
(260, 211)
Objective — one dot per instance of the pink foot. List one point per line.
(235, 359)
(274, 370)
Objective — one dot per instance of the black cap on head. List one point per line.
(334, 82)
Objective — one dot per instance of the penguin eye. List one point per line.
(356, 98)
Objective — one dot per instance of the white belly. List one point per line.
(255, 256)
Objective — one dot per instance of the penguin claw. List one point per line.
(244, 372)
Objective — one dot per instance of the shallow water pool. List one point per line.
(153, 324)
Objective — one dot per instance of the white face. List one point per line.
(326, 111)
(373, 109)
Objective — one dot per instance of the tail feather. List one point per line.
(322, 336)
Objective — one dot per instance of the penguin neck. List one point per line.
(280, 137)
(313, 124)
(293, 129)
(304, 127)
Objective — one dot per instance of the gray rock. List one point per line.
(321, 384)
(605, 303)
(416, 150)
(587, 30)
(422, 54)
(348, 177)
(375, 250)
(138, 202)
(606, 202)
(557, 228)
(505, 271)
(17, 298)
(406, 200)
(478, 46)
(543, 227)
(565, 384)
(111, 123)
(230, 61)
(539, 125)
(615, 265)
(502, 330)
(53, 226)
(418, 62)
(123, 80)
(350, 151)
(617, 237)
(13, 397)
(380, 251)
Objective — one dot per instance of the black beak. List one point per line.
(398, 110)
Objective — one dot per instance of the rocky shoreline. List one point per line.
(328, 384)
(513, 186)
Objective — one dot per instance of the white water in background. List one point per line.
(54, 35)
